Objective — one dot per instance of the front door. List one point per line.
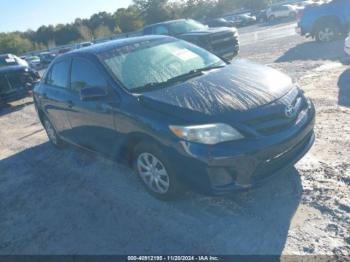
(92, 121)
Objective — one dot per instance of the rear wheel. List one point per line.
(155, 172)
(327, 32)
(52, 134)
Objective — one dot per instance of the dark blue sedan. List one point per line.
(177, 114)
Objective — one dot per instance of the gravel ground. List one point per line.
(73, 202)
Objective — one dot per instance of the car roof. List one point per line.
(168, 22)
(106, 46)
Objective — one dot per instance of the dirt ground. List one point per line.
(73, 202)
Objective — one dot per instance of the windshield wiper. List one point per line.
(154, 85)
(208, 68)
(188, 75)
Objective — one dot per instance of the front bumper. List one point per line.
(237, 166)
(227, 53)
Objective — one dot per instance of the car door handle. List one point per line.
(70, 104)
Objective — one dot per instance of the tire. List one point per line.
(52, 134)
(327, 32)
(155, 172)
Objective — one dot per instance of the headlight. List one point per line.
(207, 134)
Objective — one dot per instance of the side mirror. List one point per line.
(92, 93)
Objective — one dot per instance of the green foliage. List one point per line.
(124, 20)
(102, 31)
(154, 11)
(128, 19)
(14, 43)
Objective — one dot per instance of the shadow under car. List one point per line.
(73, 201)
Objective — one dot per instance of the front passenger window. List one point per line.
(58, 75)
(85, 75)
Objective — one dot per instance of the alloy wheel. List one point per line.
(153, 173)
(326, 34)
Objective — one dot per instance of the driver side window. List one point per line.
(84, 74)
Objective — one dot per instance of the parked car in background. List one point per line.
(261, 16)
(309, 3)
(16, 78)
(347, 45)
(157, 101)
(46, 58)
(64, 50)
(280, 11)
(325, 22)
(84, 44)
(219, 22)
(242, 19)
(221, 41)
(34, 62)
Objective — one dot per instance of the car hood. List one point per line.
(210, 31)
(240, 86)
(12, 69)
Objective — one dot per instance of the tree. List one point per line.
(102, 18)
(66, 34)
(102, 31)
(14, 43)
(85, 32)
(129, 19)
(154, 11)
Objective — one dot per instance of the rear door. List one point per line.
(92, 121)
(55, 96)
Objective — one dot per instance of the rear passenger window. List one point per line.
(85, 74)
(58, 75)
(161, 30)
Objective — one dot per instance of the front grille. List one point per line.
(275, 120)
(224, 40)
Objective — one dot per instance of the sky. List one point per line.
(31, 14)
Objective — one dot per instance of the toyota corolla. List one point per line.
(177, 114)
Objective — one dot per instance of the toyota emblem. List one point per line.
(290, 111)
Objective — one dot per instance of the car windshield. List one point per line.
(144, 65)
(7, 61)
(185, 26)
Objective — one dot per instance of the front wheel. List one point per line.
(155, 172)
